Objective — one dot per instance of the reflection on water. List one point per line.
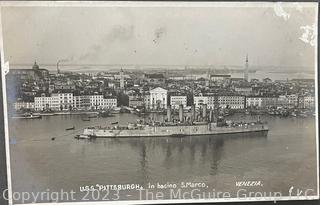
(279, 159)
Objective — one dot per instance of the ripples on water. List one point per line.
(279, 160)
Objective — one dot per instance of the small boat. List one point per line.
(116, 110)
(114, 123)
(82, 137)
(85, 119)
(105, 114)
(70, 128)
(27, 116)
(47, 114)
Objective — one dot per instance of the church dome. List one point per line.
(35, 66)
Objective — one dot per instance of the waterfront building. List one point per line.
(96, 102)
(283, 101)
(232, 101)
(200, 100)
(135, 101)
(269, 101)
(65, 100)
(307, 102)
(146, 99)
(254, 101)
(158, 98)
(176, 101)
(23, 105)
(109, 103)
(81, 102)
(47, 103)
(292, 100)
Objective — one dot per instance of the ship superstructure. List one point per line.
(203, 122)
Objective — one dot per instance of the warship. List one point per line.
(199, 123)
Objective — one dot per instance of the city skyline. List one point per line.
(159, 36)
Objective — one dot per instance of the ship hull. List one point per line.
(174, 131)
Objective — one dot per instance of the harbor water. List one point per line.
(285, 158)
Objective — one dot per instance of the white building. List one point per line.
(66, 101)
(47, 103)
(176, 101)
(96, 101)
(254, 101)
(232, 101)
(292, 100)
(199, 100)
(308, 102)
(23, 105)
(63, 100)
(158, 98)
(109, 103)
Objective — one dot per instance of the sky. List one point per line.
(160, 35)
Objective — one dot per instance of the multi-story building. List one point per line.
(135, 101)
(269, 101)
(158, 98)
(96, 102)
(283, 101)
(254, 101)
(47, 103)
(65, 100)
(232, 101)
(109, 103)
(23, 105)
(200, 100)
(81, 102)
(147, 101)
(292, 100)
(176, 101)
(307, 102)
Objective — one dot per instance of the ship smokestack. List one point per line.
(204, 111)
(193, 113)
(181, 113)
(169, 113)
(210, 115)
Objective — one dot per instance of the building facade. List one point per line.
(158, 98)
(254, 102)
(232, 101)
(23, 105)
(135, 101)
(176, 101)
(200, 100)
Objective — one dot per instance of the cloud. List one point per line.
(118, 33)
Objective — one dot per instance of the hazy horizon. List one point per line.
(199, 36)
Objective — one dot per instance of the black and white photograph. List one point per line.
(160, 102)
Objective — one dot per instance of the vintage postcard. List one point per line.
(160, 102)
